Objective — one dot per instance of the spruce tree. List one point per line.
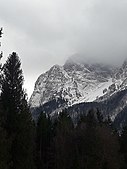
(12, 91)
(63, 141)
(43, 142)
(4, 143)
(96, 144)
(18, 121)
(123, 146)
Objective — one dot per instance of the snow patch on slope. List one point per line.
(96, 93)
(74, 82)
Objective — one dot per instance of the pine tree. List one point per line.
(43, 142)
(23, 144)
(96, 146)
(4, 143)
(63, 141)
(12, 92)
(123, 146)
(18, 121)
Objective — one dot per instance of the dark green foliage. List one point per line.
(99, 117)
(121, 118)
(17, 118)
(49, 107)
(4, 144)
(123, 144)
(90, 145)
(63, 152)
(97, 146)
(4, 150)
(23, 143)
(106, 107)
(12, 91)
(43, 141)
(64, 123)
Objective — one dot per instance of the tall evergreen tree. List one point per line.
(18, 121)
(4, 143)
(123, 146)
(97, 146)
(12, 91)
(43, 142)
(63, 141)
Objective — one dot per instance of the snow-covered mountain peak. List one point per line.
(121, 73)
(80, 82)
(74, 82)
(55, 68)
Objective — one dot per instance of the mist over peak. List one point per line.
(84, 60)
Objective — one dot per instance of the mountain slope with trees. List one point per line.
(76, 138)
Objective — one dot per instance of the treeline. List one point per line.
(92, 143)
(57, 143)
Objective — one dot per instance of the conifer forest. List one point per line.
(60, 142)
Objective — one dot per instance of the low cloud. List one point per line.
(47, 32)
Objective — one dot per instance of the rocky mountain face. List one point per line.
(77, 82)
(74, 82)
(119, 82)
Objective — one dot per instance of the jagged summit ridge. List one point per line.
(75, 84)
(74, 81)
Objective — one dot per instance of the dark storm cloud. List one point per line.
(45, 32)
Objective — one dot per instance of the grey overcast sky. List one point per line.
(47, 32)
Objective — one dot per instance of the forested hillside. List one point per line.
(53, 143)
